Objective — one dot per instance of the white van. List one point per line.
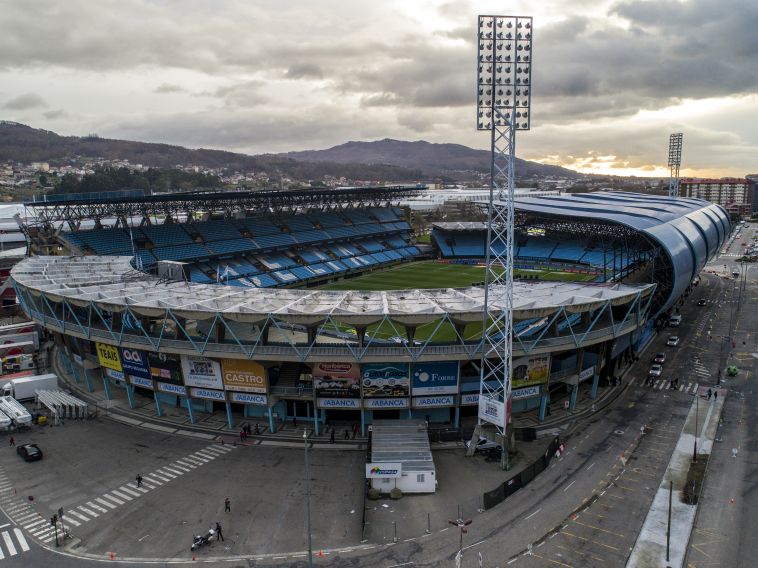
(675, 320)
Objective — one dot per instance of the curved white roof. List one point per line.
(112, 284)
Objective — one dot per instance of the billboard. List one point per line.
(492, 411)
(385, 380)
(243, 375)
(202, 372)
(435, 378)
(108, 356)
(135, 363)
(528, 371)
(384, 470)
(165, 368)
(337, 380)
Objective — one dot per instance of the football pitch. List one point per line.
(431, 274)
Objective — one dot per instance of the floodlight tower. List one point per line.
(503, 105)
(675, 160)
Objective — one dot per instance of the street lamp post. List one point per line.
(461, 524)
(308, 498)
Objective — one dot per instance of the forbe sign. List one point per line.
(435, 378)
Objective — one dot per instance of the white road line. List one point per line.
(78, 515)
(9, 544)
(128, 491)
(206, 455)
(106, 503)
(164, 473)
(70, 521)
(88, 511)
(21, 540)
(2, 554)
(590, 466)
(569, 485)
(200, 459)
(5, 525)
(112, 498)
(154, 478)
(186, 463)
(144, 489)
(530, 516)
(98, 507)
(172, 470)
(181, 467)
(121, 495)
(35, 523)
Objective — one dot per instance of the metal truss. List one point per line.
(177, 205)
(675, 160)
(169, 332)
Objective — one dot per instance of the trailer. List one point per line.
(14, 410)
(24, 387)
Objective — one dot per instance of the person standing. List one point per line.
(139, 480)
(12, 441)
(715, 395)
(331, 437)
(710, 393)
(219, 534)
(347, 434)
(227, 505)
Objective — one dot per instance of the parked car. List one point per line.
(660, 358)
(656, 370)
(673, 341)
(702, 302)
(30, 452)
(482, 444)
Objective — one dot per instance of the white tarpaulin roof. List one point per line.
(112, 284)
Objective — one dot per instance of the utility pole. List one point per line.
(308, 498)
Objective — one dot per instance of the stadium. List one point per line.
(322, 304)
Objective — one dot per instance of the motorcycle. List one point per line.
(199, 539)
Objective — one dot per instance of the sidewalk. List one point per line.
(650, 549)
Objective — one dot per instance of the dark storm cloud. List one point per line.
(25, 102)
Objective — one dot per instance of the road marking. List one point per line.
(21, 540)
(591, 466)
(164, 473)
(180, 467)
(530, 516)
(104, 502)
(88, 511)
(206, 455)
(78, 515)
(98, 507)
(34, 524)
(71, 521)
(9, 544)
(568, 486)
(186, 463)
(176, 471)
(112, 498)
(132, 492)
(121, 495)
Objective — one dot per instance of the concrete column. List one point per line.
(190, 411)
(158, 408)
(130, 395)
(595, 383)
(460, 329)
(457, 419)
(220, 332)
(544, 400)
(106, 385)
(363, 424)
(87, 380)
(361, 332)
(229, 421)
(572, 398)
(271, 425)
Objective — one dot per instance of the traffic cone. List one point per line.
(112, 555)
(194, 557)
(320, 553)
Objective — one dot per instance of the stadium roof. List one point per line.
(112, 284)
(689, 230)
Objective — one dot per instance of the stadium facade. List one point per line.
(247, 329)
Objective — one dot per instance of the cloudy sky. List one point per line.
(611, 79)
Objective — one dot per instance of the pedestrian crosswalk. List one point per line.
(42, 529)
(13, 542)
(661, 384)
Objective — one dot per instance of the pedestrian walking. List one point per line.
(12, 441)
(257, 429)
(139, 480)
(347, 434)
(227, 505)
(294, 421)
(710, 393)
(715, 395)
(331, 437)
(219, 534)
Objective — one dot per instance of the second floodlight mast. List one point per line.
(504, 79)
(675, 160)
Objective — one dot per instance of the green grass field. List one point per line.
(430, 274)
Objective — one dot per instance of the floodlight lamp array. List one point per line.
(504, 78)
(675, 149)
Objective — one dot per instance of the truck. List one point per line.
(23, 388)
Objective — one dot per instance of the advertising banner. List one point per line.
(135, 363)
(243, 375)
(117, 375)
(433, 401)
(528, 392)
(385, 380)
(140, 382)
(385, 403)
(108, 356)
(471, 399)
(337, 380)
(208, 394)
(435, 378)
(248, 398)
(491, 410)
(587, 373)
(165, 368)
(528, 371)
(173, 389)
(384, 470)
(202, 372)
(339, 403)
